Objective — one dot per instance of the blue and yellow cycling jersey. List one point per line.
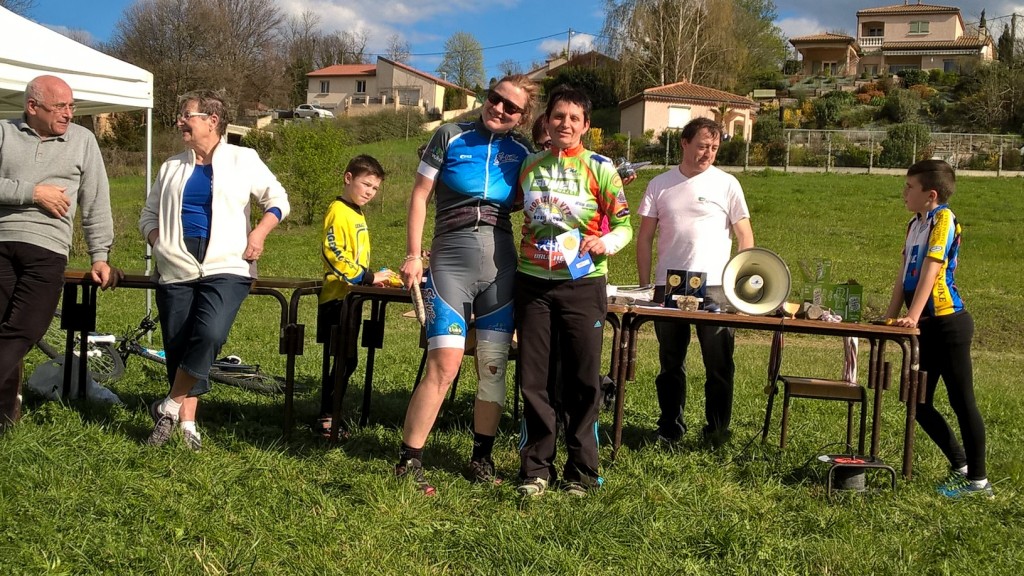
(935, 235)
(345, 252)
(475, 172)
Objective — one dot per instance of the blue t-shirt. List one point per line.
(197, 202)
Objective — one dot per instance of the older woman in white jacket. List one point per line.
(198, 222)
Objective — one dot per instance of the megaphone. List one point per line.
(756, 281)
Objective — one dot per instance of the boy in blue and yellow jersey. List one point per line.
(345, 253)
(926, 285)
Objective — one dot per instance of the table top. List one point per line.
(141, 280)
(852, 329)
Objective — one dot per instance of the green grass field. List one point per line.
(80, 494)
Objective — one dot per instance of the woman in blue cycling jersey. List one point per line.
(473, 169)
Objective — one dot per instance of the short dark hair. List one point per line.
(566, 93)
(693, 127)
(365, 164)
(935, 175)
(209, 102)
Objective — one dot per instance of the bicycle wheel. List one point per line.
(104, 364)
(247, 377)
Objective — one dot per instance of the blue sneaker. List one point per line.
(965, 488)
(953, 478)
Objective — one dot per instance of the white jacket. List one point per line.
(238, 175)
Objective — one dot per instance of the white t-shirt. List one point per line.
(695, 219)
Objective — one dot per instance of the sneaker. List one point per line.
(965, 488)
(532, 487)
(413, 468)
(954, 477)
(577, 489)
(482, 472)
(163, 425)
(193, 440)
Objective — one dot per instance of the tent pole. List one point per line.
(149, 185)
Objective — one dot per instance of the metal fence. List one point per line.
(827, 150)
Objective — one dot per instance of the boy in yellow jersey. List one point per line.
(927, 286)
(345, 253)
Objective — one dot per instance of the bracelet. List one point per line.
(413, 257)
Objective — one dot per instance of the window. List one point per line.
(920, 27)
(360, 86)
(875, 32)
(325, 86)
(949, 66)
(678, 116)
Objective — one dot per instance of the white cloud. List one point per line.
(77, 34)
(580, 43)
(793, 27)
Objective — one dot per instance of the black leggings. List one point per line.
(946, 351)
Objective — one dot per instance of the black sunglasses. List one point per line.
(507, 105)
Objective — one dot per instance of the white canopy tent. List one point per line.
(100, 83)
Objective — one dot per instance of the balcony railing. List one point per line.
(871, 41)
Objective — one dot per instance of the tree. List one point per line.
(509, 67)
(398, 49)
(22, 7)
(340, 48)
(299, 46)
(192, 44)
(463, 60)
(1004, 46)
(719, 43)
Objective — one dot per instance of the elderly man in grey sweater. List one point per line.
(49, 168)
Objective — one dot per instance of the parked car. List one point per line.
(312, 111)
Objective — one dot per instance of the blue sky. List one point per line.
(520, 30)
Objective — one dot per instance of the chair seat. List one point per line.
(823, 388)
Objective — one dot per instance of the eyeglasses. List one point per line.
(186, 116)
(544, 145)
(508, 106)
(60, 107)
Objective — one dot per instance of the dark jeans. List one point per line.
(327, 316)
(31, 279)
(716, 346)
(945, 343)
(573, 313)
(195, 318)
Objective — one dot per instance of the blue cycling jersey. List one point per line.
(475, 172)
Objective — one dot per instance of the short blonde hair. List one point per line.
(532, 89)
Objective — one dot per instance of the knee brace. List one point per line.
(491, 362)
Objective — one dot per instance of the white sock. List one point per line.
(170, 408)
(962, 470)
(980, 483)
(190, 425)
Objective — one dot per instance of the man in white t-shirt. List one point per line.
(696, 209)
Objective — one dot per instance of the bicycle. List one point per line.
(108, 354)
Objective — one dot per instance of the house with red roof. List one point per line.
(673, 105)
(355, 89)
(897, 37)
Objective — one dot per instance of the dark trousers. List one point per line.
(574, 312)
(31, 279)
(716, 346)
(327, 316)
(945, 343)
(195, 318)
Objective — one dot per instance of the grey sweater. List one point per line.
(72, 161)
